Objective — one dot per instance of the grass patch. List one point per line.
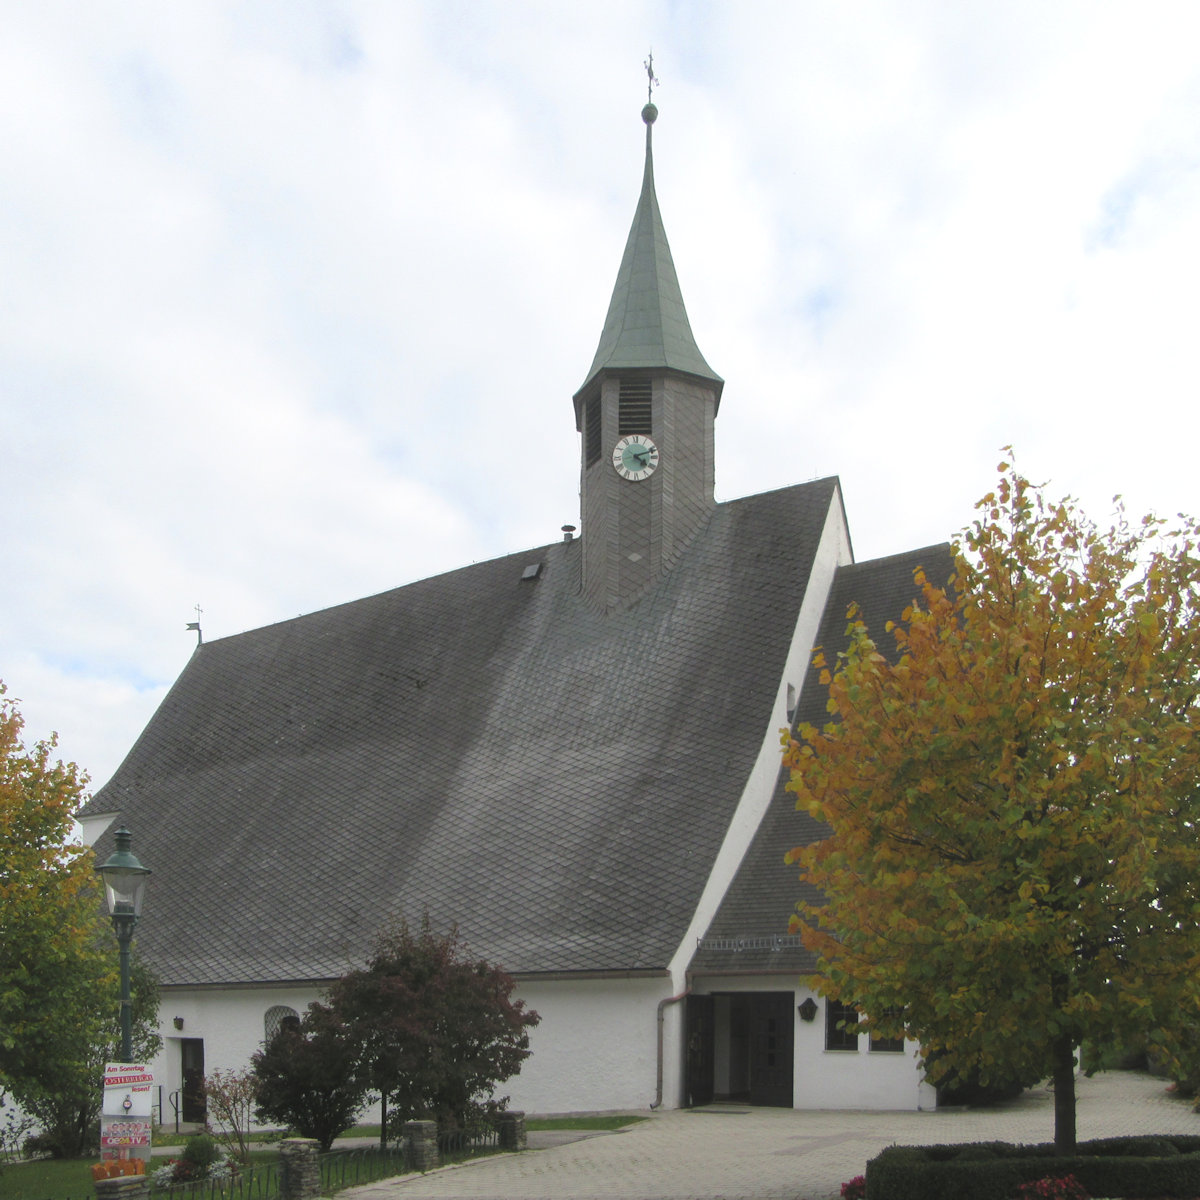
(71, 1178)
(177, 1141)
(617, 1121)
(164, 1137)
(608, 1121)
(48, 1179)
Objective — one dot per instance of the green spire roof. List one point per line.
(647, 325)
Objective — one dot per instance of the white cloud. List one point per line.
(281, 283)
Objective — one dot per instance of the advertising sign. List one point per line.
(126, 1111)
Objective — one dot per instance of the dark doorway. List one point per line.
(771, 1036)
(699, 1034)
(191, 1101)
(740, 1048)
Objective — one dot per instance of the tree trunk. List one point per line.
(383, 1119)
(1064, 1096)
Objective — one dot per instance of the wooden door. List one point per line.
(772, 1032)
(699, 1033)
(192, 1104)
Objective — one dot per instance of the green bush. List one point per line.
(1153, 1147)
(1128, 1167)
(1176, 1054)
(1127, 1054)
(63, 1141)
(200, 1152)
(981, 1151)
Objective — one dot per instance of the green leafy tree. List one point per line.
(308, 1077)
(437, 1030)
(64, 1093)
(59, 986)
(1013, 864)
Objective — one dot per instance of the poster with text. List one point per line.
(126, 1112)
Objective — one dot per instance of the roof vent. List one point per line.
(568, 532)
(531, 572)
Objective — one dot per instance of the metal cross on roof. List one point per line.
(652, 81)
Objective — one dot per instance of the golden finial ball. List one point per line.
(650, 114)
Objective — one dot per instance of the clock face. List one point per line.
(635, 457)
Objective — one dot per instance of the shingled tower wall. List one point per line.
(635, 530)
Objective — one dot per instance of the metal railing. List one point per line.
(348, 1168)
(250, 1183)
(340, 1169)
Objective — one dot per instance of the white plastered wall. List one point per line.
(230, 1022)
(833, 1079)
(594, 1050)
(862, 1078)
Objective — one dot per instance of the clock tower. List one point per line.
(646, 414)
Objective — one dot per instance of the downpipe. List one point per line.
(662, 1008)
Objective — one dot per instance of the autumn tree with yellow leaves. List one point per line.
(1013, 794)
(58, 963)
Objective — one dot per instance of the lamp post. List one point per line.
(124, 886)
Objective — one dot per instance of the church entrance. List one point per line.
(193, 1107)
(740, 1048)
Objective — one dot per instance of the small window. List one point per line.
(837, 1016)
(278, 1017)
(889, 1045)
(633, 407)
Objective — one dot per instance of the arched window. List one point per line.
(276, 1018)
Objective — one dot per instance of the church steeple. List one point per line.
(647, 325)
(646, 413)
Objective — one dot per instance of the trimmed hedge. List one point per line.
(1131, 1166)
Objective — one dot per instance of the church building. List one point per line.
(571, 752)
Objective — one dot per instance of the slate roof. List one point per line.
(492, 750)
(647, 325)
(764, 892)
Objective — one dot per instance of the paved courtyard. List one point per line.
(730, 1152)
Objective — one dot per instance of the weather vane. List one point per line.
(651, 79)
(195, 627)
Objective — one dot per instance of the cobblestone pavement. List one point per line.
(730, 1152)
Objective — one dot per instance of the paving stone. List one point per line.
(729, 1152)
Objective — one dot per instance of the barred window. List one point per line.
(278, 1017)
(838, 1015)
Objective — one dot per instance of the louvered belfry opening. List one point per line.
(591, 430)
(633, 407)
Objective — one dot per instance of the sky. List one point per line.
(294, 296)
